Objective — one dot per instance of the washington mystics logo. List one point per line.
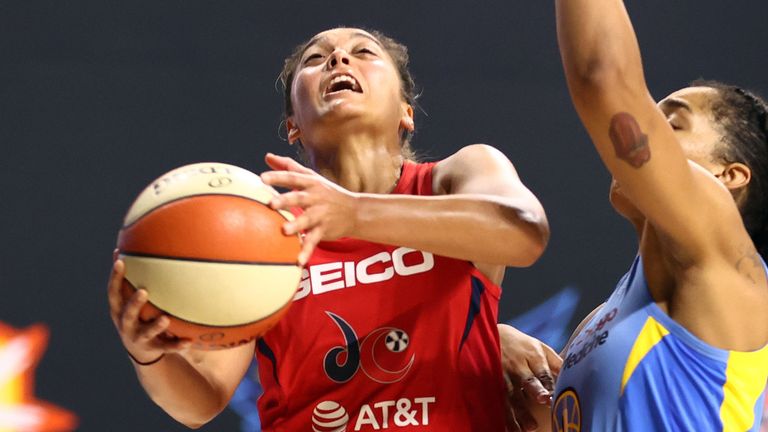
(566, 413)
(382, 355)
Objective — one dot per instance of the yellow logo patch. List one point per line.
(566, 413)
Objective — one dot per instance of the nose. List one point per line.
(337, 56)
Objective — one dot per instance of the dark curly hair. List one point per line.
(399, 54)
(742, 117)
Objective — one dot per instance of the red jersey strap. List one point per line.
(415, 179)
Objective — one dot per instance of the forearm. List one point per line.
(601, 58)
(181, 391)
(478, 228)
(598, 46)
(542, 413)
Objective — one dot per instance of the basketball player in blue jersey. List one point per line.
(680, 345)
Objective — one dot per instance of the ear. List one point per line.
(735, 176)
(406, 120)
(294, 134)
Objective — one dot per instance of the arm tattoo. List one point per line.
(629, 142)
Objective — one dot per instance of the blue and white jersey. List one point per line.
(633, 368)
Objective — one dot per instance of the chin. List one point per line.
(626, 209)
(622, 205)
(341, 109)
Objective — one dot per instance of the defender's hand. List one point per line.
(531, 368)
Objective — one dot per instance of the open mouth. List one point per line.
(342, 83)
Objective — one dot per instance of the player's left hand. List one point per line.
(531, 368)
(328, 209)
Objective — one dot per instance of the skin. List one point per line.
(352, 139)
(361, 159)
(700, 263)
(688, 113)
(701, 266)
(531, 368)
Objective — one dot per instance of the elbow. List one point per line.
(594, 78)
(198, 421)
(530, 239)
(194, 422)
(198, 418)
(534, 248)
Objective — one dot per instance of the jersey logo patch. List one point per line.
(329, 416)
(382, 354)
(341, 362)
(332, 276)
(566, 413)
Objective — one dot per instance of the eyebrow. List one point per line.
(318, 39)
(677, 103)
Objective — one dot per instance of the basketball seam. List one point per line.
(146, 213)
(222, 326)
(175, 258)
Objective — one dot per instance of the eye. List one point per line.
(312, 57)
(364, 51)
(675, 122)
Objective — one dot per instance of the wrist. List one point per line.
(369, 209)
(144, 363)
(357, 201)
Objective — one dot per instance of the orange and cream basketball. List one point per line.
(204, 243)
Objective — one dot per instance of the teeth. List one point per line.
(343, 79)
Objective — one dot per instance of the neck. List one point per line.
(359, 164)
(639, 224)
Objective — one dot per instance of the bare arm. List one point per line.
(192, 386)
(482, 212)
(195, 386)
(603, 68)
(699, 241)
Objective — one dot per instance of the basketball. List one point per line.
(204, 243)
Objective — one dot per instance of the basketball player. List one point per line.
(680, 345)
(394, 322)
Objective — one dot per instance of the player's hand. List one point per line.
(531, 368)
(144, 341)
(329, 210)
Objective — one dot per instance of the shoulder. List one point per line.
(469, 161)
(474, 153)
(722, 226)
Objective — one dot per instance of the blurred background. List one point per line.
(98, 98)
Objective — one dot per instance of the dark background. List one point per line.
(97, 98)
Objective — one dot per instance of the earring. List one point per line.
(293, 135)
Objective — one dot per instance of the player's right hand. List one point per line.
(144, 341)
(328, 210)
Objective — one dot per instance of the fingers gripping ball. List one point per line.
(204, 243)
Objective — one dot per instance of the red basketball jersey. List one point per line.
(383, 337)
